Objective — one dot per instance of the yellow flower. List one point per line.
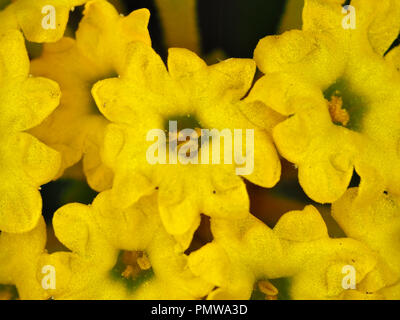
(19, 257)
(35, 17)
(76, 127)
(340, 94)
(25, 162)
(119, 254)
(296, 259)
(197, 96)
(378, 226)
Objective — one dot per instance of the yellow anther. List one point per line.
(135, 262)
(128, 272)
(268, 289)
(144, 262)
(338, 114)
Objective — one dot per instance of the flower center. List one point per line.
(345, 107)
(338, 114)
(188, 121)
(179, 136)
(135, 262)
(8, 292)
(133, 268)
(182, 123)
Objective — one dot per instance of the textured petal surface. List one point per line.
(97, 235)
(341, 117)
(26, 163)
(76, 128)
(19, 260)
(377, 225)
(32, 15)
(297, 251)
(146, 97)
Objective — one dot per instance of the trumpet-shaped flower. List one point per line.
(147, 97)
(25, 162)
(19, 258)
(378, 226)
(76, 127)
(40, 20)
(340, 116)
(298, 253)
(119, 254)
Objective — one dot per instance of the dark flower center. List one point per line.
(345, 107)
(132, 268)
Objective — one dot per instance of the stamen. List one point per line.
(128, 272)
(135, 262)
(144, 262)
(172, 136)
(266, 287)
(336, 110)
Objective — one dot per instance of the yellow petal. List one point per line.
(19, 258)
(309, 54)
(183, 63)
(381, 21)
(30, 17)
(212, 262)
(71, 228)
(306, 225)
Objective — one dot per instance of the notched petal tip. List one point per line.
(143, 61)
(180, 217)
(184, 63)
(232, 77)
(129, 187)
(71, 228)
(306, 225)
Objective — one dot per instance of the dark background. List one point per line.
(234, 26)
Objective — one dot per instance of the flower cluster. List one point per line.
(174, 146)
